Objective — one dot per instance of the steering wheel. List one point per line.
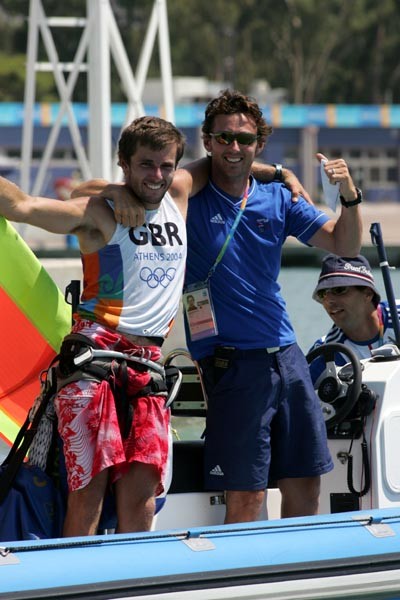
(337, 395)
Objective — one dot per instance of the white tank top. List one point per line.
(134, 283)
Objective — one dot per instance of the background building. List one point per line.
(368, 137)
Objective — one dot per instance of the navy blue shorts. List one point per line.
(264, 421)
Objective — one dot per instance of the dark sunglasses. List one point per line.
(225, 138)
(335, 291)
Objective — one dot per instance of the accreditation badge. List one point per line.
(199, 311)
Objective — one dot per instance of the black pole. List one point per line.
(377, 240)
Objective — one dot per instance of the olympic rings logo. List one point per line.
(157, 277)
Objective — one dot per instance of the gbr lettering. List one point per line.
(158, 235)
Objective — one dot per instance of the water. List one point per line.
(308, 318)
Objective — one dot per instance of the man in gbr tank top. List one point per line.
(133, 281)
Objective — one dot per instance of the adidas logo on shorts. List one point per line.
(217, 471)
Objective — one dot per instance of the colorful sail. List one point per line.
(34, 318)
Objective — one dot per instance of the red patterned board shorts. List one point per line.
(88, 422)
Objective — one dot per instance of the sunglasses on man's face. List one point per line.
(335, 291)
(225, 138)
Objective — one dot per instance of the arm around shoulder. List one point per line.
(92, 187)
(275, 172)
(191, 178)
(127, 209)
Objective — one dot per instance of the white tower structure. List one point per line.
(100, 41)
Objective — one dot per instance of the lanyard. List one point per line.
(230, 235)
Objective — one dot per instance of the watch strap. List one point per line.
(354, 202)
(278, 175)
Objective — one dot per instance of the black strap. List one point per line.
(20, 447)
(367, 471)
(72, 295)
(72, 346)
(122, 404)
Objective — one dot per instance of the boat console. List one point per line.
(363, 433)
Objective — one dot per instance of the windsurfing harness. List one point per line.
(81, 359)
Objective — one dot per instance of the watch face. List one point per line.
(278, 172)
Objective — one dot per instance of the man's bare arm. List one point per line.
(92, 187)
(128, 210)
(88, 218)
(200, 170)
(193, 176)
(46, 213)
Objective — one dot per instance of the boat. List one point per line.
(350, 550)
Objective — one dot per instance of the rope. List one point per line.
(185, 535)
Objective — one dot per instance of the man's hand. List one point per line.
(127, 209)
(293, 183)
(338, 172)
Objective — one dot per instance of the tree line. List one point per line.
(319, 51)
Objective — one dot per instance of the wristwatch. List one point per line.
(278, 175)
(357, 200)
